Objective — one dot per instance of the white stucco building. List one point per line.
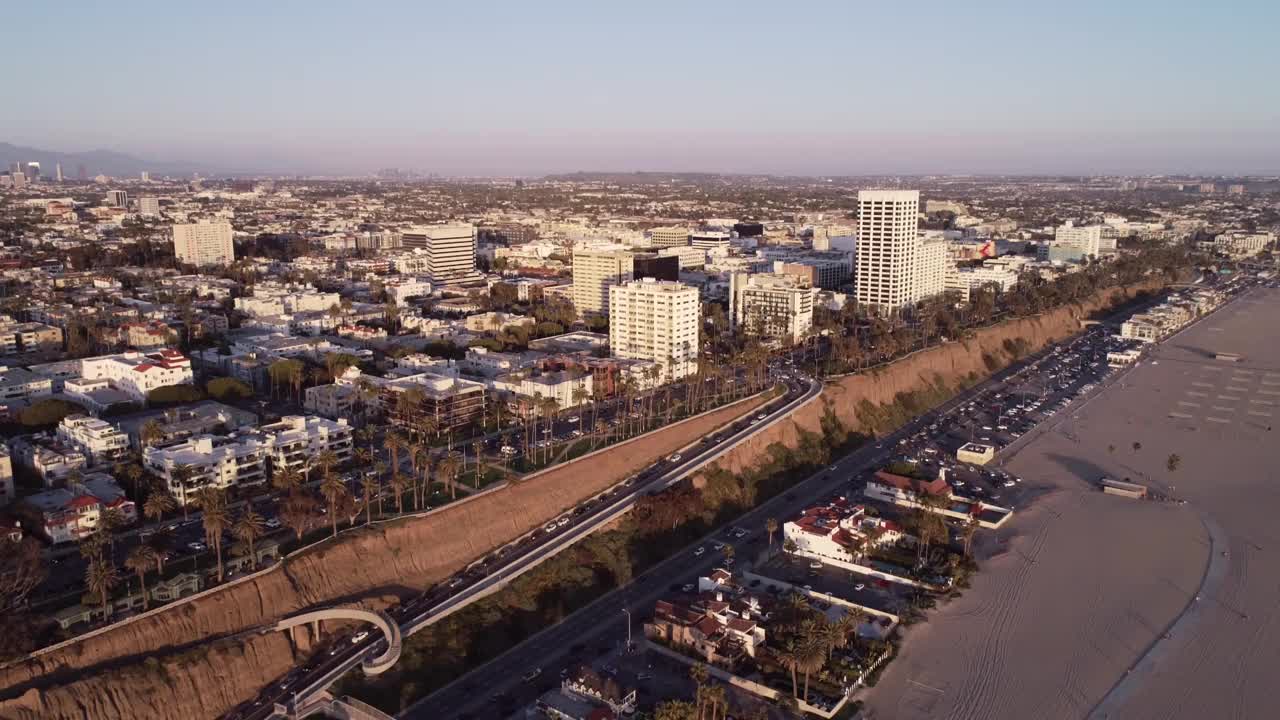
(658, 321)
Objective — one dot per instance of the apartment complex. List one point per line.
(658, 321)
(100, 441)
(1239, 244)
(28, 337)
(449, 402)
(1088, 240)
(594, 272)
(149, 206)
(451, 249)
(777, 307)
(204, 243)
(137, 374)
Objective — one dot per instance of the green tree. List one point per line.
(1173, 462)
(248, 528)
(139, 560)
(333, 490)
(49, 411)
(174, 395)
(216, 517)
(100, 578)
(228, 388)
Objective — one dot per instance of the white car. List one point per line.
(699, 552)
(674, 458)
(860, 587)
(359, 637)
(549, 527)
(562, 521)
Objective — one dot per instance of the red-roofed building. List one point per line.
(720, 625)
(137, 374)
(839, 531)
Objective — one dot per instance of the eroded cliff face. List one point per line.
(103, 676)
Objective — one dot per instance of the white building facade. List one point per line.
(657, 321)
(204, 243)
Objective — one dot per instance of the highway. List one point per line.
(518, 557)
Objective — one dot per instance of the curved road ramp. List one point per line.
(390, 630)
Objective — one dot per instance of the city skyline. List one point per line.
(743, 88)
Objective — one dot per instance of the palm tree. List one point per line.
(789, 657)
(180, 476)
(398, 486)
(970, 530)
(363, 456)
(379, 469)
(370, 488)
(150, 432)
(100, 577)
(771, 527)
(699, 674)
(448, 468)
(327, 461)
(248, 528)
(333, 489)
(1173, 463)
(813, 655)
(477, 449)
(133, 472)
(139, 560)
(215, 518)
(393, 442)
(286, 479)
(109, 521)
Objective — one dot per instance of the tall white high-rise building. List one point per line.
(1088, 240)
(149, 206)
(932, 263)
(57, 171)
(117, 198)
(775, 306)
(145, 176)
(595, 270)
(656, 320)
(451, 249)
(888, 244)
(204, 243)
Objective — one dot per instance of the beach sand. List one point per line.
(1091, 609)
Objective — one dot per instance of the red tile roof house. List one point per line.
(838, 531)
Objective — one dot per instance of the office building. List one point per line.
(451, 249)
(669, 237)
(146, 176)
(888, 240)
(711, 241)
(149, 206)
(204, 243)
(658, 267)
(657, 321)
(777, 307)
(57, 172)
(117, 198)
(1088, 240)
(820, 270)
(594, 272)
(33, 172)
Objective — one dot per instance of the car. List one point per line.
(717, 545)
(860, 587)
(815, 565)
(573, 419)
(359, 637)
(644, 676)
(687, 587)
(728, 561)
(674, 458)
(531, 675)
(272, 523)
(563, 521)
(196, 546)
(700, 551)
(455, 582)
(507, 450)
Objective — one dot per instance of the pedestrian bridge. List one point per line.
(390, 630)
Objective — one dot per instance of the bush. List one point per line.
(49, 412)
(174, 395)
(224, 388)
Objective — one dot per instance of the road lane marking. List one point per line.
(1228, 397)
(1223, 409)
(1259, 414)
(1197, 394)
(1187, 403)
(1218, 420)
(1180, 415)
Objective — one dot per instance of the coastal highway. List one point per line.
(300, 685)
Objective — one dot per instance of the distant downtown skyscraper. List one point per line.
(451, 249)
(888, 238)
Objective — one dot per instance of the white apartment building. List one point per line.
(48, 457)
(297, 440)
(278, 299)
(149, 206)
(451, 249)
(932, 264)
(137, 374)
(658, 321)
(204, 243)
(964, 281)
(594, 272)
(888, 244)
(401, 290)
(778, 307)
(1088, 240)
(220, 462)
(1243, 244)
(100, 441)
(669, 237)
(22, 384)
(564, 387)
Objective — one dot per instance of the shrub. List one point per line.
(49, 412)
(224, 388)
(174, 395)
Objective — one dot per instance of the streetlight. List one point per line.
(628, 612)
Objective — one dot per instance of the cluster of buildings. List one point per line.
(1170, 316)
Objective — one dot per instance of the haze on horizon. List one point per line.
(529, 88)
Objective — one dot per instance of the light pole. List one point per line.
(628, 612)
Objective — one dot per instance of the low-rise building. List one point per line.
(22, 384)
(48, 457)
(839, 531)
(331, 401)
(69, 514)
(137, 374)
(100, 441)
(975, 453)
(295, 441)
(220, 462)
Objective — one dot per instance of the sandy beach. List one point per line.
(1104, 607)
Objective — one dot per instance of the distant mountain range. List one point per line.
(104, 162)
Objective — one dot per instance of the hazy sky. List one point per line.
(534, 86)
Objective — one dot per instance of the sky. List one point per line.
(523, 88)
